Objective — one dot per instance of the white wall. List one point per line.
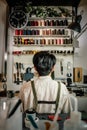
(80, 58)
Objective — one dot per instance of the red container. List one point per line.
(20, 32)
(16, 32)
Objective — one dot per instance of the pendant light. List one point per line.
(75, 26)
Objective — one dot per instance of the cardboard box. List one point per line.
(77, 74)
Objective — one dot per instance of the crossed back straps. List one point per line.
(36, 102)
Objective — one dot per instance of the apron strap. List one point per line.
(35, 95)
(58, 96)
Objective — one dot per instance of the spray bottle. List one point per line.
(75, 122)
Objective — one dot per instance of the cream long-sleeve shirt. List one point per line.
(46, 90)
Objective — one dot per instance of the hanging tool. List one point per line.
(61, 66)
(14, 108)
(17, 67)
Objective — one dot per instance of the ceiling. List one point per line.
(74, 3)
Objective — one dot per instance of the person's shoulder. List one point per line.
(64, 88)
(54, 82)
(58, 81)
(62, 84)
(26, 85)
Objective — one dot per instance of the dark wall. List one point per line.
(45, 2)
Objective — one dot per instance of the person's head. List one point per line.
(44, 62)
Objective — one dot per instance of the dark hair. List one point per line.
(44, 62)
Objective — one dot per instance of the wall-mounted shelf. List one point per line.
(42, 34)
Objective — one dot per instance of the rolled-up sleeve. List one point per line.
(24, 95)
(65, 105)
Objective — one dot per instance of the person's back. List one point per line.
(45, 88)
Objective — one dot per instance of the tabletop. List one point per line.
(16, 121)
(61, 119)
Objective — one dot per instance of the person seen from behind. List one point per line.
(48, 94)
